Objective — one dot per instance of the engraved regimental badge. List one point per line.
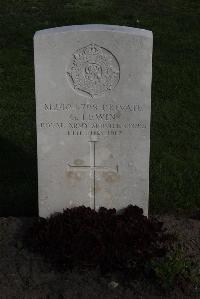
(94, 71)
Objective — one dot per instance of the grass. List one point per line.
(175, 134)
(176, 270)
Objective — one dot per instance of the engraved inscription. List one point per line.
(94, 119)
(94, 71)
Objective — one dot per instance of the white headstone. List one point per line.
(93, 91)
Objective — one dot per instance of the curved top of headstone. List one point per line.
(97, 27)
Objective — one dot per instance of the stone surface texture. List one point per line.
(93, 102)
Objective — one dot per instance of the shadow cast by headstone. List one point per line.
(18, 181)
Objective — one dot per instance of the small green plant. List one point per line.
(176, 270)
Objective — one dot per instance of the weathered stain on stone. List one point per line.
(111, 177)
(97, 187)
(73, 176)
(107, 196)
(78, 162)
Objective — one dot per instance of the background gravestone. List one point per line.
(93, 90)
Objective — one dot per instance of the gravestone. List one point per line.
(93, 101)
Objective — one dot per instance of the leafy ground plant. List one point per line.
(176, 270)
(82, 237)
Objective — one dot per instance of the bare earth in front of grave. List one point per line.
(25, 275)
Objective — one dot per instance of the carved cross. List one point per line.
(93, 168)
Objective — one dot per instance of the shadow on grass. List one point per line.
(18, 181)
